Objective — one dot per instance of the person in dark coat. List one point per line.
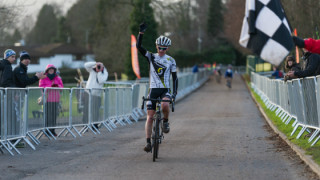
(9, 57)
(311, 66)
(20, 76)
(291, 65)
(6, 74)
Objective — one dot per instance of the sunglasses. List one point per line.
(162, 48)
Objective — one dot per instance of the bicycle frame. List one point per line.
(157, 134)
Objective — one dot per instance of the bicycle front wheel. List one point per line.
(156, 140)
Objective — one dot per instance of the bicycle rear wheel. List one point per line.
(156, 140)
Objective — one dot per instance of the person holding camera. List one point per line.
(98, 74)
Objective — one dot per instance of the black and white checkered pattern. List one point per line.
(266, 31)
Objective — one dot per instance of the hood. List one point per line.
(51, 66)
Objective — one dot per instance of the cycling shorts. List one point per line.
(155, 93)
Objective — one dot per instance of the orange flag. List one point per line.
(134, 57)
(297, 49)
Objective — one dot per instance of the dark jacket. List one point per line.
(312, 66)
(294, 67)
(20, 76)
(6, 75)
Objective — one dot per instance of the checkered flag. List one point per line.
(266, 30)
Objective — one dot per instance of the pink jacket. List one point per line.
(52, 95)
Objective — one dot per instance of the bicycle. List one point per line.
(218, 75)
(229, 83)
(157, 134)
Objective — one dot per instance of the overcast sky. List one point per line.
(31, 8)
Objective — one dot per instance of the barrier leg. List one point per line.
(75, 129)
(61, 132)
(33, 138)
(29, 143)
(301, 132)
(314, 134)
(294, 130)
(95, 129)
(315, 141)
(112, 123)
(50, 134)
(4, 145)
(119, 121)
(107, 126)
(294, 123)
(285, 118)
(87, 127)
(13, 146)
(280, 114)
(288, 120)
(126, 118)
(135, 116)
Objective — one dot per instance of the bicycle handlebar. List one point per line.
(157, 100)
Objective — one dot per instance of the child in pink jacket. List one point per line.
(52, 96)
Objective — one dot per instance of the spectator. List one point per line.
(21, 80)
(52, 96)
(291, 65)
(277, 74)
(195, 68)
(98, 74)
(20, 76)
(9, 57)
(6, 68)
(311, 66)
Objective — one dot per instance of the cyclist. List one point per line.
(218, 73)
(160, 66)
(228, 75)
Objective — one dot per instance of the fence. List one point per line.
(28, 114)
(296, 100)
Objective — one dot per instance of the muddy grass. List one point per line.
(282, 147)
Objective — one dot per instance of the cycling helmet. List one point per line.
(163, 41)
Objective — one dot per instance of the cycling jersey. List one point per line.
(228, 73)
(160, 68)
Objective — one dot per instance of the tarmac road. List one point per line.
(216, 133)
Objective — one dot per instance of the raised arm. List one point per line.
(89, 66)
(142, 29)
(141, 49)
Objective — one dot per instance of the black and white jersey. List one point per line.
(160, 69)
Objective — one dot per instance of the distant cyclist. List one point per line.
(161, 66)
(228, 75)
(218, 73)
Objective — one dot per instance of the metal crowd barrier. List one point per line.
(28, 114)
(297, 100)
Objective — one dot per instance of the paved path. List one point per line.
(216, 133)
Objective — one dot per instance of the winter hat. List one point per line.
(51, 66)
(24, 55)
(298, 41)
(7, 53)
